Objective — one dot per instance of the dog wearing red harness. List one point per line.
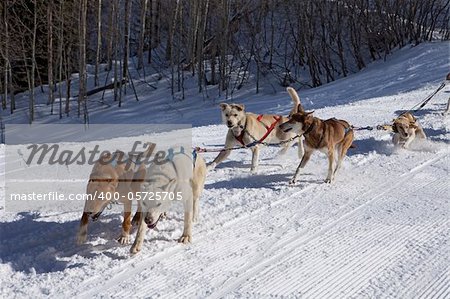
(250, 130)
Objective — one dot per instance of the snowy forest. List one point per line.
(220, 43)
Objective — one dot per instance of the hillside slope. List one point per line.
(382, 230)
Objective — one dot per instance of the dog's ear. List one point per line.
(239, 107)
(223, 106)
(105, 156)
(297, 117)
(300, 109)
(309, 113)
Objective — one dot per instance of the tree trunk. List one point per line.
(99, 40)
(82, 57)
(111, 28)
(6, 51)
(33, 63)
(126, 46)
(51, 97)
(144, 4)
(150, 32)
(60, 55)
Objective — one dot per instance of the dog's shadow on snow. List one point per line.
(422, 112)
(436, 135)
(28, 245)
(233, 164)
(364, 146)
(271, 181)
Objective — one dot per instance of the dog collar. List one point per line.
(240, 137)
(310, 128)
(171, 154)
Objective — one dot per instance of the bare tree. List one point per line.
(99, 40)
(82, 59)
(51, 98)
(143, 20)
(33, 64)
(126, 42)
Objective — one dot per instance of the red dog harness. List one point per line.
(269, 129)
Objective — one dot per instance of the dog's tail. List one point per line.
(294, 96)
(298, 108)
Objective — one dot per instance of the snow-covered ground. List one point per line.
(381, 230)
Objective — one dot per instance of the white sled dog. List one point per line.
(245, 128)
(406, 128)
(178, 177)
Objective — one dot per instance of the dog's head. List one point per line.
(299, 122)
(105, 180)
(102, 185)
(405, 125)
(404, 129)
(233, 115)
(156, 200)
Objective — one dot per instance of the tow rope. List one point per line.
(424, 102)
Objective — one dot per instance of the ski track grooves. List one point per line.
(262, 262)
(290, 244)
(438, 288)
(132, 269)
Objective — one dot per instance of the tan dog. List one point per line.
(178, 176)
(406, 128)
(246, 128)
(112, 181)
(329, 136)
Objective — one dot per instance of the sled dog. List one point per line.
(332, 136)
(245, 128)
(177, 176)
(108, 179)
(406, 128)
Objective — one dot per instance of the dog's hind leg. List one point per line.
(188, 201)
(82, 232)
(329, 178)
(342, 151)
(124, 237)
(302, 164)
(187, 230)
(198, 183)
(188, 214)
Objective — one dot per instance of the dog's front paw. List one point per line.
(292, 182)
(81, 238)
(123, 239)
(135, 249)
(328, 180)
(185, 239)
